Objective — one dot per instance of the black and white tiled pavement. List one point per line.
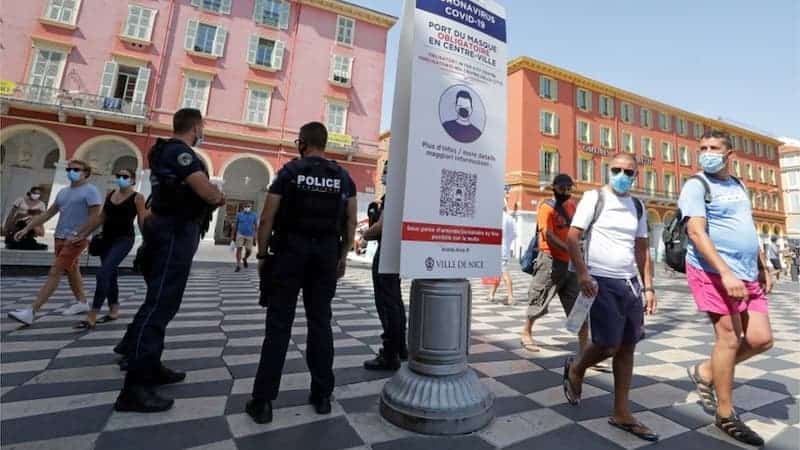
(58, 385)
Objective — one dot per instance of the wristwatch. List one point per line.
(649, 289)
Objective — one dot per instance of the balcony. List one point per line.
(72, 103)
(546, 179)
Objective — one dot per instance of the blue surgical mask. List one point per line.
(621, 182)
(711, 162)
(123, 183)
(74, 176)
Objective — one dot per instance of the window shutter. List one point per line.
(219, 41)
(542, 121)
(554, 89)
(191, 34)
(132, 20)
(557, 125)
(258, 11)
(140, 92)
(225, 7)
(284, 17)
(350, 69)
(150, 14)
(277, 55)
(109, 78)
(252, 49)
(542, 82)
(196, 3)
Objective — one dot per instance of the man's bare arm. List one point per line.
(268, 214)
(349, 231)
(373, 233)
(205, 189)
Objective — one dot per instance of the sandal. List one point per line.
(573, 395)
(600, 367)
(84, 325)
(106, 318)
(528, 344)
(708, 400)
(636, 429)
(735, 428)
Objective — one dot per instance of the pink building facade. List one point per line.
(99, 80)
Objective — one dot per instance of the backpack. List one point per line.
(675, 234)
(532, 251)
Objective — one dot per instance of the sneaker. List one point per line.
(77, 308)
(24, 316)
(244, 262)
(237, 269)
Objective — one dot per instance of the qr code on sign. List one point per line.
(458, 194)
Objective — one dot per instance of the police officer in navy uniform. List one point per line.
(307, 225)
(182, 201)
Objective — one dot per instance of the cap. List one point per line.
(562, 179)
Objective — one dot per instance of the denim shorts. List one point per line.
(617, 314)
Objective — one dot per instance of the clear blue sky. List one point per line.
(738, 59)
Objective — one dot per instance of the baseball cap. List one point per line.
(562, 179)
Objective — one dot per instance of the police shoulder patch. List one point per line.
(184, 159)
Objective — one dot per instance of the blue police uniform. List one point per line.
(306, 245)
(172, 233)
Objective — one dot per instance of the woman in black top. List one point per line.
(121, 207)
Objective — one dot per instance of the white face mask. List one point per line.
(35, 196)
(247, 209)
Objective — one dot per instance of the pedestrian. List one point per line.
(729, 279)
(389, 303)
(182, 200)
(243, 234)
(74, 204)
(22, 212)
(551, 274)
(308, 223)
(774, 256)
(509, 230)
(121, 207)
(616, 249)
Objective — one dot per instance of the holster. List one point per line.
(143, 262)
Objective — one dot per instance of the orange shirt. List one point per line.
(549, 219)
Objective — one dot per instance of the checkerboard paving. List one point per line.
(58, 385)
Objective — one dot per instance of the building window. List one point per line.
(682, 126)
(204, 38)
(345, 30)
(776, 202)
(762, 178)
(794, 201)
(126, 83)
(669, 184)
(737, 141)
(684, 179)
(646, 117)
(606, 106)
(764, 201)
(759, 149)
(770, 152)
(273, 13)
(737, 169)
(747, 145)
(698, 130)
(626, 112)
(195, 92)
(667, 152)
(647, 147)
(215, 6)
(139, 24)
(341, 70)
(548, 163)
(772, 179)
(606, 137)
(753, 200)
(548, 123)
(585, 170)
(258, 102)
(584, 132)
(46, 70)
(664, 122)
(650, 182)
(628, 143)
(584, 99)
(336, 116)
(548, 88)
(265, 52)
(749, 169)
(686, 158)
(63, 11)
(604, 169)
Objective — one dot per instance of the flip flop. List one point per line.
(106, 318)
(84, 325)
(528, 344)
(573, 397)
(636, 429)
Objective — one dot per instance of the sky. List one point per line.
(738, 60)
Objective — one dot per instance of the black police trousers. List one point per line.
(310, 264)
(391, 311)
(174, 242)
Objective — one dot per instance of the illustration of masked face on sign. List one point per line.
(465, 121)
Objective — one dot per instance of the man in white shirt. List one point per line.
(507, 243)
(616, 249)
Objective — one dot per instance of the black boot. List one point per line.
(166, 375)
(140, 398)
(322, 404)
(259, 410)
(383, 362)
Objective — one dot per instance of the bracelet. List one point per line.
(649, 289)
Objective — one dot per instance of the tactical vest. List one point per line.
(314, 203)
(170, 196)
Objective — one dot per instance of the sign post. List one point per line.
(444, 203)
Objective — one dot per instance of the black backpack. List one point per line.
(676, 236)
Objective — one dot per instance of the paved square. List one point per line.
(58, 385)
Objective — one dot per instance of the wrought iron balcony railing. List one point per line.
(546, 178)
(73, 100)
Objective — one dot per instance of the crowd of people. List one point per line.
(597, 249)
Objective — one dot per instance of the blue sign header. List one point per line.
(467, 13)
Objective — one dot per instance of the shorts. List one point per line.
(68, 255)
(617, 314)
(244, 241)
(551, 277)
(710, 296)
(776, 263)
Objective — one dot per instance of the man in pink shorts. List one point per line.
(729, 279)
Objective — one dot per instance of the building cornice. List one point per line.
(354, 11)
(528, 63)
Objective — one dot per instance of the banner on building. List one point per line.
(445, 182)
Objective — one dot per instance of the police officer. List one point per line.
(308, 223)
(388, 302)
(182, 200)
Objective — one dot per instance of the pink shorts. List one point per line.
(710, 296)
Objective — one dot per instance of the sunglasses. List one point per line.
(299, 142)
(74, 169)
(123, 176)
(617, 170)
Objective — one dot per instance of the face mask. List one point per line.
(247, 209)
(621, 182)
(123, 183)
(463, 112)
(561, 198)
(198, 138)
(74, 176)
(711, 162)
(35, 196)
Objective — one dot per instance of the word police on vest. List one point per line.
(318, 184)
